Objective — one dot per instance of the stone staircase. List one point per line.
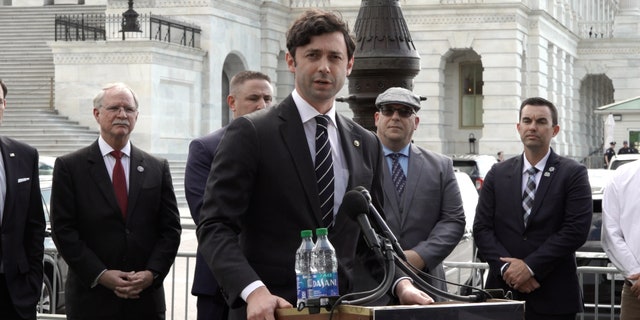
(26, 67)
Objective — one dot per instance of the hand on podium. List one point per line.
(409, 295)
(261, 304)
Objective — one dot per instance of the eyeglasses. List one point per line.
(127, 110)
(388, 111)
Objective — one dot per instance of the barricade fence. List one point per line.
(182, 305)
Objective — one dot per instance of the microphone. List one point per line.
(382, 225)
(356, 206)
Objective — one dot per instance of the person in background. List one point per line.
(114, 217)
(22, 226)
(422, 201)
(609, 153)
(625, 148)
(265, 184)
(533, 213)
(620, 238)
(248, 91)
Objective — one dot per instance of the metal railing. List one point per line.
(81, 27)
(182, 305)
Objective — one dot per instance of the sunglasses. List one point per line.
(388, 111)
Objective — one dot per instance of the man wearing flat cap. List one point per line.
(609, 153)
(422, 200)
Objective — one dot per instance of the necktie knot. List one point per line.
(323, 121)
(532, 171)
(116, 154)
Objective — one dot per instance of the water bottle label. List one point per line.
(303, 286)
(325, 284)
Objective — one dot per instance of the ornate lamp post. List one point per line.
(384, 57)
(130, 20)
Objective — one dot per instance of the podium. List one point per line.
(494, 309)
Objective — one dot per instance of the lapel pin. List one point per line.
(11, 155)
(140, 169)
(551, 169)
(547, 174)
(356, 143)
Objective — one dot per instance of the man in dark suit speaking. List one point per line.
(534, 212)
(115, 218)
(21, 227)
(266, 183)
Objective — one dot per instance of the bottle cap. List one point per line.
(321, 232)
(306, 233)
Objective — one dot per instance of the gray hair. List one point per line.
(97, 101)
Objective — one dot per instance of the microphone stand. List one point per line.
(387, 282)
(430, 289)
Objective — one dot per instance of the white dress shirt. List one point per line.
(621, 219)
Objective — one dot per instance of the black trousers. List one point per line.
(7, 310)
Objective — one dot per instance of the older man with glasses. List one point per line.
(422, 201)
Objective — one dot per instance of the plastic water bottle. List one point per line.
(324, 268)
(303, 266)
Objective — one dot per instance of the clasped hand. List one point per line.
(126, 285)
(518, 276)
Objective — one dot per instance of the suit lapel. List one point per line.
(416, 168)
(136, 177)
(100, 174)
(293, 136)
(11, 184)
(515, 175)
(351, 143)
(545, 182)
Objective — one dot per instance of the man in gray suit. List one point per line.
(422, 200)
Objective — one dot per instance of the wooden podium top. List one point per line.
(496, 309)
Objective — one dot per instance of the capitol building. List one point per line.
(478, 60)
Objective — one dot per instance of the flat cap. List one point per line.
(398, 95)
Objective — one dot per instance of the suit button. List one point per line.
(127, 231)
(524, 238)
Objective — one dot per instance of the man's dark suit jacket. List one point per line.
(201, 152)
(92, 235)
(558, 225)
(23, 225)
(429, 218)
(262, 191)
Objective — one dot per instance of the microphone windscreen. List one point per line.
(364, 192)
(354, 204)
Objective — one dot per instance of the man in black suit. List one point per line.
(534, 212)
(119, 247)
(22, 227)
(263, 188)
(248, 91)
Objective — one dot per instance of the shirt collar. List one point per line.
(308, 112)
(540, 165)
(105, 148)
(404, 151)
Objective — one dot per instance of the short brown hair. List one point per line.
(537, 101)
(244, 76)
(316, 22)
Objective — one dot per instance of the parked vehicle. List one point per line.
(475, 165)
(55, 268)
(620, 159)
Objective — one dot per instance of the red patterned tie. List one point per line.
(120, 182)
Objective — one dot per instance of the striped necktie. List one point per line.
(397, 175)
(324, 170)
(529, 193)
